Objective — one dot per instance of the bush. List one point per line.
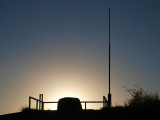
(142, 98)
(26, 109)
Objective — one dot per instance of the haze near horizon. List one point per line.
(60, 49)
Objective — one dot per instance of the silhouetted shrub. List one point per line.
(142, 98)
(26, 109)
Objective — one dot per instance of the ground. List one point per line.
(80, 115)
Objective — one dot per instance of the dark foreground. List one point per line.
(84, 115)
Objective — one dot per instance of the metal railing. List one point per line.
(38, 102)
(41, 103)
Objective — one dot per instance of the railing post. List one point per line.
(104, 101)
(39, 101)
(85, 105)
(29, 102)
(42, 103)
(109, 100)
(36, 104)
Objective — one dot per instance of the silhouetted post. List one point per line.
(39, 101)
(109, 94)
(29, 102)
(42, 103)
(104, 101)
(85, 105)
(109, 100)
(36, 104)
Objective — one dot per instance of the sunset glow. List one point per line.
(60, 49)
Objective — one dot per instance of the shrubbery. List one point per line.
(142, 98)
(141, 101)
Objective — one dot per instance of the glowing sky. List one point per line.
(60, 48)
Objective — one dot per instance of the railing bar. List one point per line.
(91, 101)
(50, 102)
(80, 101)
(34, 98)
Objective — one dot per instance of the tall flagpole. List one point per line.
(109, 94)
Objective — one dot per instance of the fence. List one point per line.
(38, 102)
(41, 103)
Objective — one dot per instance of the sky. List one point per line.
(59, 48)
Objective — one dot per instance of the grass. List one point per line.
(26, 109)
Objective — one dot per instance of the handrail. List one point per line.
(34, 98)
(82, 102)
(41, 102)
(91, 101)
(50, 102)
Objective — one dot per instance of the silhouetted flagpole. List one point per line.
(109, 94)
